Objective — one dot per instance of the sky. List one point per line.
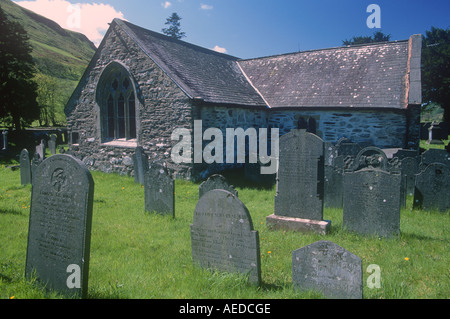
(254, 28)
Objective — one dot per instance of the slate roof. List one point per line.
(365, 76)
(355, 76)
(201, 73)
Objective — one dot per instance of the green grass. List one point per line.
(140, 255)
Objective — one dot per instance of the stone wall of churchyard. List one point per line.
(162, 108)
(223, 117)
(384, 129)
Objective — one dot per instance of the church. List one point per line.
(141, 86)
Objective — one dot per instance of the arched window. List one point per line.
(117, 105)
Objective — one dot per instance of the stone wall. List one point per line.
(162, 107)
(384, 129)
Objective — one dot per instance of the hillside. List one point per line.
(59, 53)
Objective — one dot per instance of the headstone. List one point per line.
(370, 157)
(60, 225)
(222, 236)
(52, 144)
(159, 188)
(433, 188)
(5, 140)
(216, 181)
(35, 162)
(434, 155)
(25, 167)
(40, 149)
(329, 269)
(140, 160)
(333, 192)
(300, 184)
(409, 168)
(372, 202)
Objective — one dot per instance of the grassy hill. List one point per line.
(59, 53)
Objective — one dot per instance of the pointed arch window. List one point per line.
(118, 112)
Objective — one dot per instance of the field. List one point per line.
(139, 255)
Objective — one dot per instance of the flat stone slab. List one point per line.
(298, 224)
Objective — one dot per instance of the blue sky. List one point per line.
(255, 28)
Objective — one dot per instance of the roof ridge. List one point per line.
(325, 49)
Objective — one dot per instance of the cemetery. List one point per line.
(90, 234)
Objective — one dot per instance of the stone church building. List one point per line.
(141, 85)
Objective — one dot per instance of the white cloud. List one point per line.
(166, 4)
(219, 49)
(206, 7)
(91, 19)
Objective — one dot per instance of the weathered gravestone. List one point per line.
(35, 162)
(372, 202)
(370, 157)
(433, 188)
(222, 236)
(333, 189)
(300, 184)
(327, 268)
(52, 144)
(409, 167)
(25, 167)
(215, 181)
(159, 188)
(434, 155)
(141, 165)
(60, 225)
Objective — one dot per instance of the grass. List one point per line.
(140, 255)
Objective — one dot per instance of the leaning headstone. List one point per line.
(159, 188)
(140, 160)
(372, 202)
(433, 188)
(300, 184)
(222, 236)
(329, 269)
(215, 181)
(25, 167)
(60, 225)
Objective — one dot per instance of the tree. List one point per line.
(436, 69)
(173, 30)
(46, 98)
(18, 106)
(378, 36)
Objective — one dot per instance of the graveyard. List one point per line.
(136, 253)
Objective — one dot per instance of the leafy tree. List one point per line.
(46, 97)
(174, 29)
(436, 69)
(378, 36)
(18, 104)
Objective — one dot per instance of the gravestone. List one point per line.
(25, 167)
(52, 144)
(215, 181)
(327, 268)
(432, 189)
(222, 236)
(140, 161)
(35, 162)
(434, 155)
(372, 202)
(333, 187)
(409, 168)
(300, 184)
(60, 225)
(370, 157)
(40, 149)
(159, 188)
